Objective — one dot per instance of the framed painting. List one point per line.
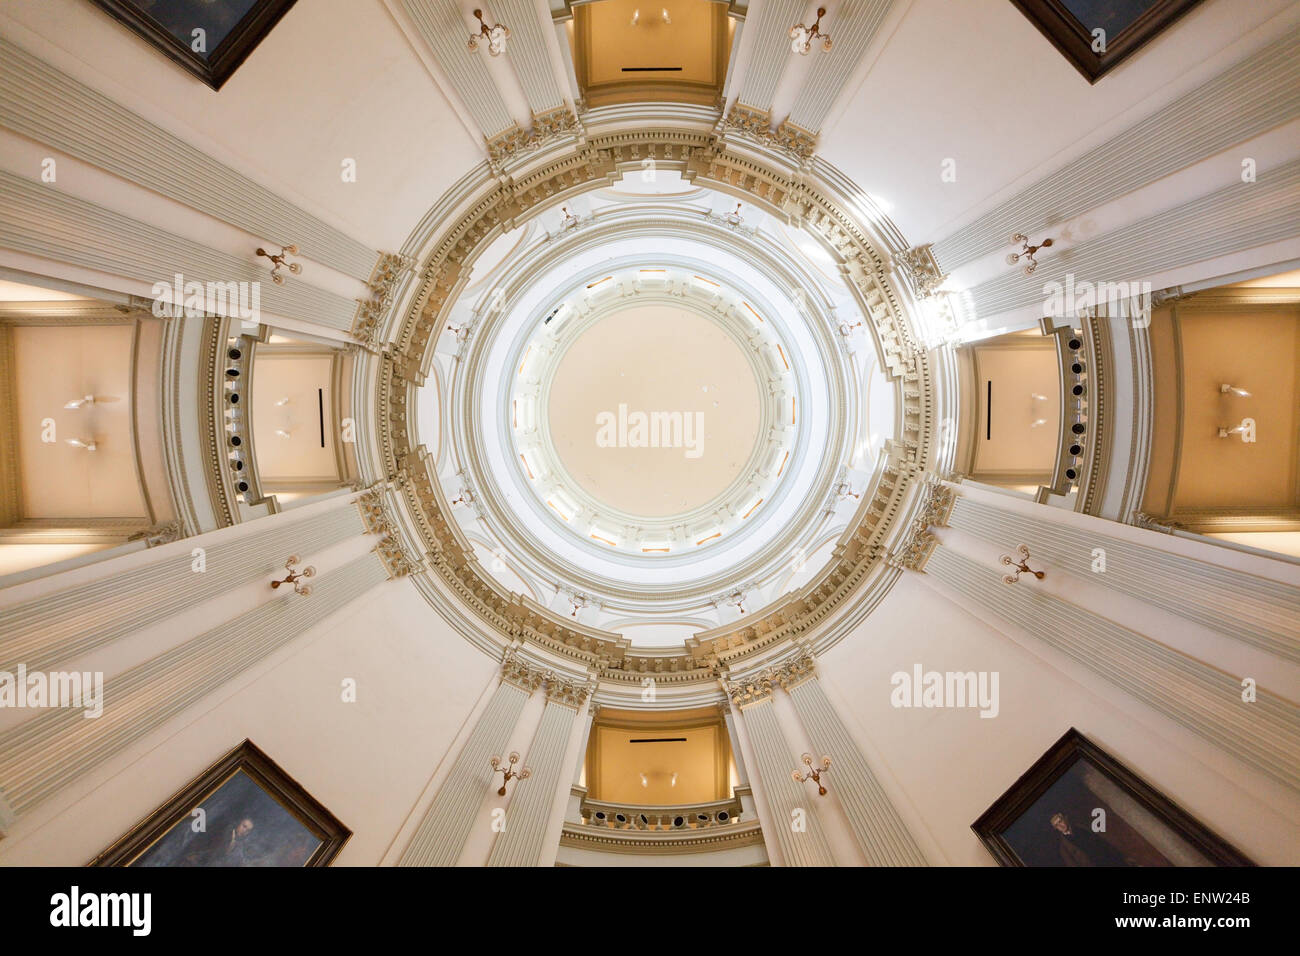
(242, 811)
(1079, 806)
(1095, 35)
(210, 38)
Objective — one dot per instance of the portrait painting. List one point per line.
(1079, 807)
(244, 811)
(1096, 35)
(210, 38)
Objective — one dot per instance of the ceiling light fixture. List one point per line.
(295, 577)
(1021, 568)
(1026, 252)
(508, 772)
(662, 18)
(1246, 430)
(90, 400)
(812, 773)
(496, 36)
(801, 37)
(281, 261)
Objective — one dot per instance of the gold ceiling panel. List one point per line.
(683, 61)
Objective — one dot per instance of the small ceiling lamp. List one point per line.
(496, 36)
(801, 37)
(281, 261)
(295, 577)
(813, 773)
(662, 18)
(81, 402)
(1022, 566)
(508, 773)
(1026, 252)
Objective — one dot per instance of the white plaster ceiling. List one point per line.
(655, 359)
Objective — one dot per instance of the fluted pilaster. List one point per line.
(1264, 733)
(53, 628)
(783, 796)
(445, 827)
(1256, 610)
(529, 813)
(880, 831)
(41, 756)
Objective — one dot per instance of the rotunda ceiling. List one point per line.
(654, 408)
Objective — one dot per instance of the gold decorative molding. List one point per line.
(545, 127)
(921, 269)
(382, 283)
(756, 124)
(751, 690)
(378, 520)
(916, 549)
(788, 673)
(570, 693)
(163, 533)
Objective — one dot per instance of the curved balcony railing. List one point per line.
(687, 816)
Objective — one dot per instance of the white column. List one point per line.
(43, 755)
(441, 835)
(785, 799)
(55, 626)
(1264, 733)
(879, 830)
(1257, 610)
(521, 843)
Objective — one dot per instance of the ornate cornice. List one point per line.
(655, 842)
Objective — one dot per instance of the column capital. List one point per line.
(523, 673)
(563, 690)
